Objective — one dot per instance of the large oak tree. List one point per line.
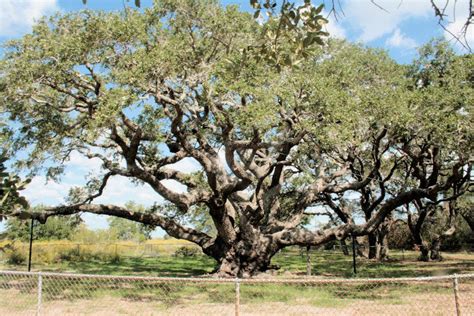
(277, 123)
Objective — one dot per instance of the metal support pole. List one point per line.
(237, 297)
(40, 293)
(456, 295)
(31, 244)
(308, 261)
(354, 255)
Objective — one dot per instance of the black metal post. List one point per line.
(354, 254)
(31, 244)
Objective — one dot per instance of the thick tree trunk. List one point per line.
(344, 248)
(469, 218)
(308, 260)
(382, 241)
(435, 249)
(245, 258)
(372, 251)
(415, 229)
(424, 252)
(234, 264)
(359, 249)
(436, 243)
(421, 245)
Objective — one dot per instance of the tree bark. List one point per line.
(372, 251)
(469, 218)
(415, 229)
(344, 248)
(246, 258)
(421, 245)
(382, 242)
(308, 260)
(435, 249)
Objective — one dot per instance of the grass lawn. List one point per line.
(291, 262)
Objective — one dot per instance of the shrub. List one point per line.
(46, 256)
(72, 254)
(114, 258)
(15, 257)
(185, 251)
(399, 236)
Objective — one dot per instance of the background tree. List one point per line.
(10, 184)
(276, 123)
(55, 228)
(465, 207)
(124, 229)
(399, 236)
(397, 157)
(438, 74)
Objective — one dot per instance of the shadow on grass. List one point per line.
(323, 263)
(161, 266)
(335, 264)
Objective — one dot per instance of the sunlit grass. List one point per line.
(156, 258)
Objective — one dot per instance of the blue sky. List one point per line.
(406, 25)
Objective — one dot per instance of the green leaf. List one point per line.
(319, 9)
(256, 14)
(308, 40)
(319, 40)
(137, 3)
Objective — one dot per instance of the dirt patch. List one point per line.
(420, 304)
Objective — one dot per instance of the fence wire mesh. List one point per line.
(23, 293)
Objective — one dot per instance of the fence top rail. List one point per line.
(249, 281)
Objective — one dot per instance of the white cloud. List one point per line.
(398, 39)
(334, 28)
(187, 165)
(174, 186)
(77, 160)
(40, 191)
(17, 16)
(120, 190)
(373, 22)
(456, 28)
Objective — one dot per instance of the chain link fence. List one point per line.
(24, 293)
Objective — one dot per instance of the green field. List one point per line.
(128, 259)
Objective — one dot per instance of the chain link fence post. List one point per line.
(354, 264)
(456, 294)
(40, 294)
(237, 297)
(308, 261)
